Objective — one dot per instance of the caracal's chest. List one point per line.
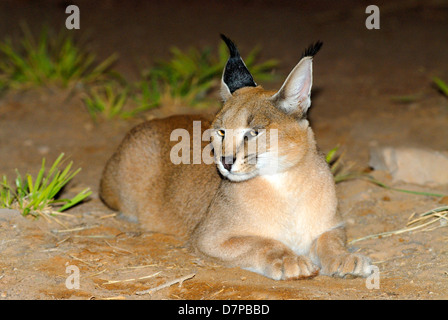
(288, 210)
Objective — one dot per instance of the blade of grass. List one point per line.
(75, 200)
(441, 85)
(40, 175)
(383, 185)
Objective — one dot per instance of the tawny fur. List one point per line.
(283, 224)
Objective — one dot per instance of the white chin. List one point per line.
(237, 177)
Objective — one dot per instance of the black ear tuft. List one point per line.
(312, 49)
(232, 47)
(236, 75)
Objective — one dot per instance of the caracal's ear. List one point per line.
(294, 95)
(235, 75)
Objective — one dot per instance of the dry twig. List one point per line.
(424, 220)
(129, 280)
(167, 284)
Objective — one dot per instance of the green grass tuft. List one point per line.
(108, 100)
(37, 196)
(187, 79)
(48, 60)
(190, 76)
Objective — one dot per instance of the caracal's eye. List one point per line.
(253, 132)
(221, 133)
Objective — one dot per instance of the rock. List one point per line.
(411, 165)
(43, 150)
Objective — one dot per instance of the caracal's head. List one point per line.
(259, 132)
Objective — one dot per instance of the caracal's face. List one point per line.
(252, 137)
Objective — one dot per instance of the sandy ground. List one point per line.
(356, 75)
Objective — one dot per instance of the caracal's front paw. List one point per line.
(289, 266)
(347, 265)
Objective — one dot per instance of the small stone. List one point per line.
(43, 150)
(88, 126)
(411, 165)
